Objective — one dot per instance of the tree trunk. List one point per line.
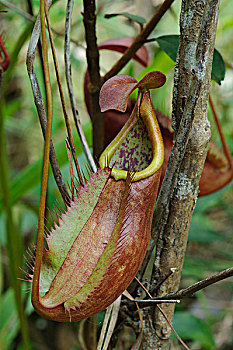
(175, 205)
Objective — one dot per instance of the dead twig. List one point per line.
(41, 108)
(183, 293)
(65, 113)
(70, 86)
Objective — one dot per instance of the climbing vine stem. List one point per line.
(35, 285)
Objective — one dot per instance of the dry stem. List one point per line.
(41, 108)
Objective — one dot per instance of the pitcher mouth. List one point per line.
(146, 154)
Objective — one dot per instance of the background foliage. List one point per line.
(206, 320)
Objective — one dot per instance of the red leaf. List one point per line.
(152, 80)
(122, 44)
(115, 92)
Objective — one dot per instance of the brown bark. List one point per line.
(178, 194)
(92, 53)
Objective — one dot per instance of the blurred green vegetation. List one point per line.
(199, 320)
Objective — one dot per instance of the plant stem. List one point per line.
(189, 291)
(180, 294)
(224, 144)
(92, 53)
(41, 109)
(70, 86)
(40, 237)
(13, 252)
(30, 9)
(139, 41)
(68, 127)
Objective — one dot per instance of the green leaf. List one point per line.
(191, 327)
(170, 44)
(29, 177)
(137, 19)
(16, 50)
(9, 325)
(218, 67)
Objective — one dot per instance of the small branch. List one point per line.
(173, 330)
(163, 279)
(71, 167)
(187, 292)
(139, 41)
(151, 302)
(111, 321)
(32, 18)
(148, 302)
(18, 10)
(182, 293)
(224, 144)
(41, 108)
(92, 52)
(70, 86)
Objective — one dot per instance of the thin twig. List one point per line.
(41, 108)
(32, 18)
(182, 293)
(224, 144)
(173, 330)
(70, 86)
(163, 279)
(151, 302)
(18, 10)
(164, 315)
(194, 288)
(139, 41)
(92, 53)
(66, 117)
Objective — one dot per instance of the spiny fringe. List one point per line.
(48, 225)
(52, 217)
(27, 290)
(88, 168)
(46, 233)
(30, 263)
(59, 207)
(28, 276)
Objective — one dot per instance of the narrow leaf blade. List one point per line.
(137, 19)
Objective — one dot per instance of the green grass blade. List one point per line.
(12, 234)
(31, 175)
